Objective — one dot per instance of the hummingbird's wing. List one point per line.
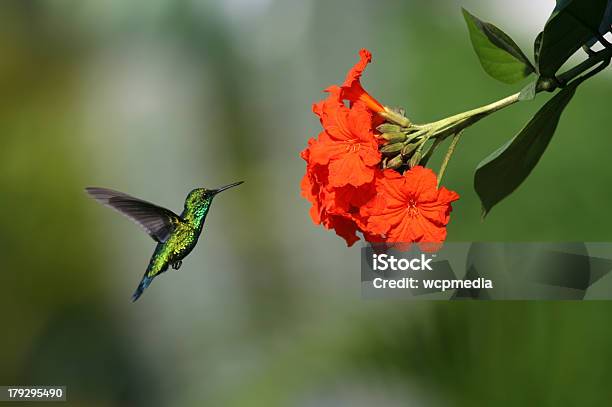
(158, 222)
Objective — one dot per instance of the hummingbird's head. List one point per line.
(202, 196)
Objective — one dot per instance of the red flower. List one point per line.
(342, 161)
(352, 89)
(409, 207)
(347, 145)
(334, 208)
(350, 192)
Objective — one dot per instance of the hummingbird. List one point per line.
(176, 235)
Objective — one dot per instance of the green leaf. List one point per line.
(571, 25)
(498, 175)
(498, 53)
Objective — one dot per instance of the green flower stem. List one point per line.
(454, 124)
(419, 134)
(596, 58)
(430, 152)
(447, 157)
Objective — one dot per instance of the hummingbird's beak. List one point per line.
(223, 188)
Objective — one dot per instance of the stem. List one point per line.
(453, 124)
(417, 155)
(480, 112)
(430, 151)
(585, 65)
(449, 154)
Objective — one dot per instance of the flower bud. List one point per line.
(408, 149)
(395, 162)
(394, 137)
(395, 117)
(416, 158)
(391, 149)
(388, 128)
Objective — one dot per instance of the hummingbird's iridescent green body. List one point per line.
(176, 235)
(184, 238)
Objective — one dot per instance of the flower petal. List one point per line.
(422, 184)
(323, 151)
(345, 228)
(352, 89)
(349, 169)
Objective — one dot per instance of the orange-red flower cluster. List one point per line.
(344, 181)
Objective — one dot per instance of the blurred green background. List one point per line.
(156, 97)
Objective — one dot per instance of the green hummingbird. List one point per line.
(176, 236)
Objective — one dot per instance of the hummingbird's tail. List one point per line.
(144, 283)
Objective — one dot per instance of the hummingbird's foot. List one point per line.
(177, 264)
